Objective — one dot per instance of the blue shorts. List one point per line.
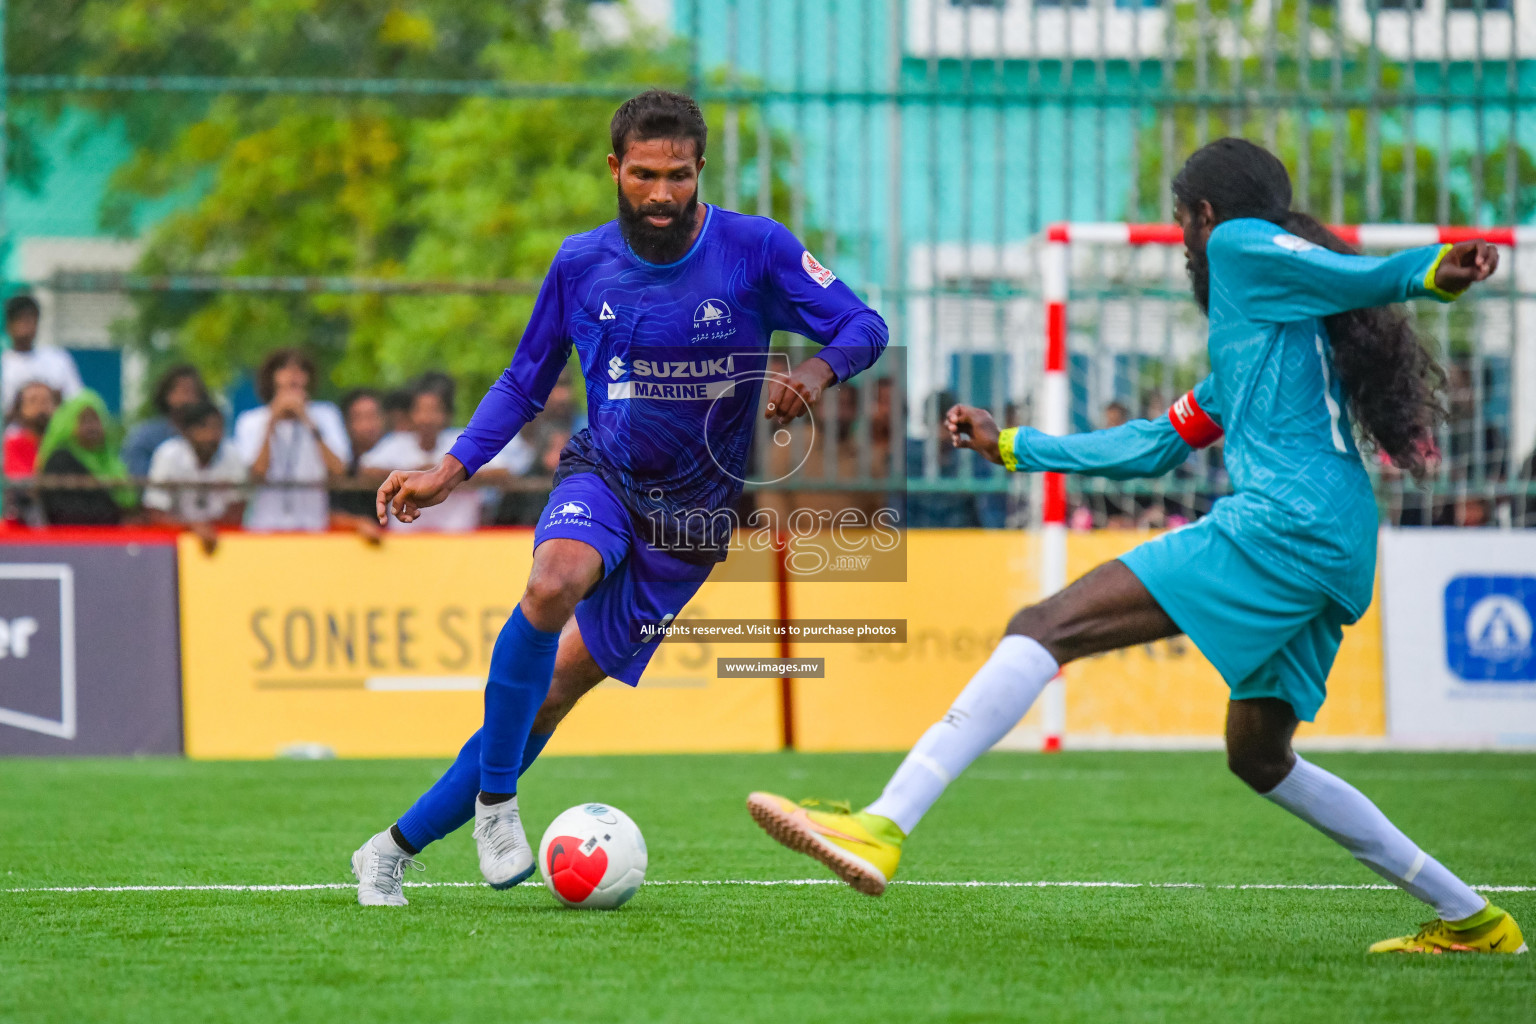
(1268, 632)
(641, 585)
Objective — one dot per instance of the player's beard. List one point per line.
(1199, 268)
(653, 244)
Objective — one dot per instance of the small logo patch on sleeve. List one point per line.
(1192, 423)
(1293, 243)
(820, 274)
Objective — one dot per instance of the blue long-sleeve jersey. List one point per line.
(674, 357)
(1301, 498)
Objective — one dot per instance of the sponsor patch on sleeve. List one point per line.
(1192, 423)
(820, 274)
(1293, 243)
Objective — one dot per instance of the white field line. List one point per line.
(760, 882)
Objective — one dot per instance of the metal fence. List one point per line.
(919, 146)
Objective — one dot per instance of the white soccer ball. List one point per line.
(592, 855)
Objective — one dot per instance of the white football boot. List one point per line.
(505, 856)
(379, 865)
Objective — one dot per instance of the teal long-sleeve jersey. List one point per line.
(1302, 500)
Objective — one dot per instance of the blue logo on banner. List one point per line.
(1489, 627)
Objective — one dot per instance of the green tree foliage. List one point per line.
(406, 187)
(396, 186)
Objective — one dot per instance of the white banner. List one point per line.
(1459, 636)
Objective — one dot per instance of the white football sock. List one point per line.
(993, 701)
(1344, 814)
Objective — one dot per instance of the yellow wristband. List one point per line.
(1429, 279)
(1005, 442)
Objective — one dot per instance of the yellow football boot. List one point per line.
(861, 849)
(1490, 930)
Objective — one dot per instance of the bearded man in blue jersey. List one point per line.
(1307, 350)
(670, 309)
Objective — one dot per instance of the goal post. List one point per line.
(1055, 267)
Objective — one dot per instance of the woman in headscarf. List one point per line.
(82, 442)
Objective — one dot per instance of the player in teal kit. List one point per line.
(1305, 352)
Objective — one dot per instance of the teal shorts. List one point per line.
(1268, 632)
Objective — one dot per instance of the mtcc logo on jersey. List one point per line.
(711, 313)
(1490, 626)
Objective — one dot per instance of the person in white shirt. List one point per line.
(24, 362)
(426, 443)
(290, 440)
(197, 455)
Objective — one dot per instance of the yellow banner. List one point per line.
(382, 652)
(962, 587)
(1169, 690)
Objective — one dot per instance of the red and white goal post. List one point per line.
(1055, 400)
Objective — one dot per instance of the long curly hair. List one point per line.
(1393, 385)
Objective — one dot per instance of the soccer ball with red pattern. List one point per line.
(593, 855)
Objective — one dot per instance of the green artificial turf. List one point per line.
(736, 952)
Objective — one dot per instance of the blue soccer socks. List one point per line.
(522, 666)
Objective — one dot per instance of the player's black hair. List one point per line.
(199, 412)
(21, 305)
(658, 114)
(168, 381)
(266, 384)
(1393, 385)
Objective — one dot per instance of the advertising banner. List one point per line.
(962, 587)
(88, 647)
(327, 644)
(1460, 642)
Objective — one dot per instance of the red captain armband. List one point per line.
(1192, 423)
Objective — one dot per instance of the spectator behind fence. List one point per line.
(443, 384)
(179, 387)
(546, 435)
(1118, 512)
(290, 440)
(425, 444)
(951, 508)
(81, 442)
(198, 459)
(24, 362)
(25, 423)
(397, 410)
(809, 456)
(362, 410)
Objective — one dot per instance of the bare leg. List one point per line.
(1259, 734)
(564, 571)
(1104, 610)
